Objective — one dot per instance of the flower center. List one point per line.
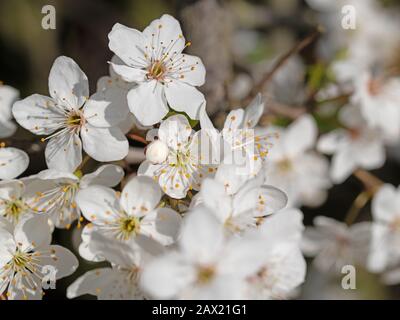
(21, 260)
(182, 158)
(374, 87)
(232, 226)
(395, 225)
(156, 70)
(205, 274)
(260, 276)
(128, 226)
(285, 165)
(27, 265)
(14, 209)
(354, 133)
(133, 274)
(75, 119)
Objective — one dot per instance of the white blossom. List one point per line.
(114, 88)
(54, 192)
(71, 120)
(237, 202)
(121, 280)
(334, 244)
(284, 267)
(24, 255)
(240, 142)
(385, 253)
(354, 146)
(295, 168)
(188, 161)
(379, 101)
(165, 76)
(206, 265)
(13, 202)
(130, 217)
(362, 33)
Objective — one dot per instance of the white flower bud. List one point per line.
(157, 152)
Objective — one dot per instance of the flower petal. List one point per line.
(300, 136)
(380, 249)
(386, 204)
(8, 95)
(214, 196)
(214, 136)
(147, 102)
(165, 32)
(201, 244)
(233, 120)
(140, 196)
(175, 131)
(128, 44)
(253, 112)
(106, 108)
(261, 200)
(62, 259)
(176, 183)
(7, 128)
(102, 207)
(33, 231)
(108, 175)
(104, 144)
(64, 152)
(166, 276)
(12, 189)
(68, 85)
(190, 69)
(85, 248)
(38, 114)
(12, 162)
(373, 154)
(21, 288)
(162, 225)
(184, 98)
(330, 142)
(343, 165)
(91, 282)
(231, 177)
(7, 248)
(129, 74)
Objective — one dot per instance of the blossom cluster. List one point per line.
(196, 221)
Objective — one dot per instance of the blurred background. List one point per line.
(238, 41)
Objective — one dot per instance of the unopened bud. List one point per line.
(157, 152)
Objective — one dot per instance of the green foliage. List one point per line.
(172, 112)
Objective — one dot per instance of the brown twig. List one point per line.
(291, 112)
(359, 202)
(371, 182)
(84, 162)
(281, 62)
(138, 138)
(342, 97)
